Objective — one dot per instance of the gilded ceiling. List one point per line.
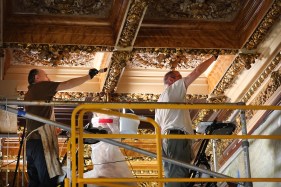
(188, 9)
(143, 39)
(97, 8)
(216, 10)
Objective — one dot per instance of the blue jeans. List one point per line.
(36, 165)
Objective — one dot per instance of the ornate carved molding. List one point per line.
(266, 93)
(260, 99)
(180, 51)
(142, 158)
(199, 10)
(66, 55)
(128, 97)
(56, 48)
(222, 145)
(118, 62)
(166, 61)
(171, 58)
(115, 97)
(247, 59)
(204, 114)
(261, 78)
(133, 20)
(55, 55)
(268, 21)
(233, 71)
(241, 62)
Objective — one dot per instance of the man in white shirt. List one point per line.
(177, 121)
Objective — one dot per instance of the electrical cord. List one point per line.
(111, 162)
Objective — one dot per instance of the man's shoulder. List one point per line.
(47, 82)
(42, 83)
(41, 89)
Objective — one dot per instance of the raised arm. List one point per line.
(201, 68)
(71, 83)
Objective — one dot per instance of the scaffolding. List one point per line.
(78, 133)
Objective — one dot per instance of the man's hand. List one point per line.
(93, 72)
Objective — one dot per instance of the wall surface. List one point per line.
(265, 155)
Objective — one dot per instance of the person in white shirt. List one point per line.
(177, 121)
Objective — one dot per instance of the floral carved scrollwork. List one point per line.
(134, 97)
(235, 68)
(266, 24)
(271, 87)
(262, 77)
(56, 48)
(241, 62)
(267, 92)
(204, 114)
(173, 58)
(118, 62)
(133, 20)
(100, 97)
(197, 52)
(276, 80)
(54, 55)
(166, 60)
(247, 59)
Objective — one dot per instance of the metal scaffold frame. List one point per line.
(78, 132)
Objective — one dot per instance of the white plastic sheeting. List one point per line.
(108, 160)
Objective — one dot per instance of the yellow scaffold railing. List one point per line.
(77, 133)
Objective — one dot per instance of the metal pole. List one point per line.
(214, 141)
(245, 145)
(43, 103)
(9, 135)
(113, 142)
(141, 105)
(18, 158)
(233, 116)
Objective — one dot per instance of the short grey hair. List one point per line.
(167, 75)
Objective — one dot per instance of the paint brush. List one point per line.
(103, 70)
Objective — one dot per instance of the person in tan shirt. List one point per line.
(43, 166)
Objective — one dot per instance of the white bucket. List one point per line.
(129, 126)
